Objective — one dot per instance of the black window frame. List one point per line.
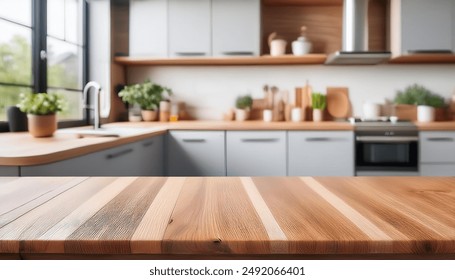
(39, 59)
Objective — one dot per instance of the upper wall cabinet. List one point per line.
(148, 28)
(422, 26)
(236, 27)
(189, 28)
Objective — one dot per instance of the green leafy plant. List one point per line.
(244, 102)
(318, 100)
(419, 95)
(147, 95)
(41, 103)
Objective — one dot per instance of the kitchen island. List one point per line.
(227, 217)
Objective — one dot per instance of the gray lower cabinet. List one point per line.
(9, 170)
(196, 153)
(437, 153)
(142, 158)
(256, 153)
(321, 153)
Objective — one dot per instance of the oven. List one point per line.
(386, 150)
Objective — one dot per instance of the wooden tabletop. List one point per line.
(227, 217)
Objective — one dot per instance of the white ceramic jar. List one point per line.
(301, 46)
(278, 47)
(425, 113)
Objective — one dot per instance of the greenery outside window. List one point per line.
(43, 49)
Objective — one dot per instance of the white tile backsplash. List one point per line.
(211, 90)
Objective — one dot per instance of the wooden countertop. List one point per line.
(21, 149)
(227, 217)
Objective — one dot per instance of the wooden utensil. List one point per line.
(338, 104)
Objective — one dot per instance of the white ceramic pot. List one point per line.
(301, 46)
(425, 113)
(371, 111)
(241, 114)
(277, 47)
(317, 115)
(267, 115)
(297, 114)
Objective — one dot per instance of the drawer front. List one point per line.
(119, 161)
(149, 155)
(256, 153)
(437, 169)
(437, 147)
(196, 153)
(328, 153)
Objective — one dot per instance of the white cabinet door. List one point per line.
(321, 153)
(256, 153)
(437, 153)
(189, 28)
(422, 25)
(235, 27)
(126, 160)
(148, 28)
(196, 153)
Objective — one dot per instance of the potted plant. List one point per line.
(41, 109)
(318, 102)
(425, 100)
(147, 96)
(243, 105)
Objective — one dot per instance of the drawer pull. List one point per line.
(147, 144)
(260, 140)
(440, 139)
(194, 140)
(119, 154)
(190, 53)
(238, 53)
(323, 139)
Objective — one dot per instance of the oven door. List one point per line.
(387, 153)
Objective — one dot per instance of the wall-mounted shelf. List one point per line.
(423, 59)
(303, 2)
(218, 61)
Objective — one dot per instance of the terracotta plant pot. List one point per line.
(149, 115)
(42, 125)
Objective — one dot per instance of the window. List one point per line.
(43, 49)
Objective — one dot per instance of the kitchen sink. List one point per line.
(105, 131)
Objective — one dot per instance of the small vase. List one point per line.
(425, 113)
(149, 115)
(317, 115)
(42, 125)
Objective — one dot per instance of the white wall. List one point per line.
(210, 91)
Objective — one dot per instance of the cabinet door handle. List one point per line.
(147, 144)
(238, 53)
(440, 139)
(260, 140)
(194, 140)
(323, 139)
(191, 53)
(119, 154)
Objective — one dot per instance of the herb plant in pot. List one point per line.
(41, 109)
(147, 95)
(425, 100)
(318, 102)
(243, 106)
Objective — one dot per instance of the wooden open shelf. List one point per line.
(423, 59)
(217, 61)
(303, 2)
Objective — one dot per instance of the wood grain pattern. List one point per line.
(228, 217)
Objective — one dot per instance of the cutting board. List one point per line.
(338, 104)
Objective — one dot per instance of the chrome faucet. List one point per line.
(96, 107)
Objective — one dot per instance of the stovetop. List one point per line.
(382, 124)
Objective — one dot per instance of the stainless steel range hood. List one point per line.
(355, 37)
